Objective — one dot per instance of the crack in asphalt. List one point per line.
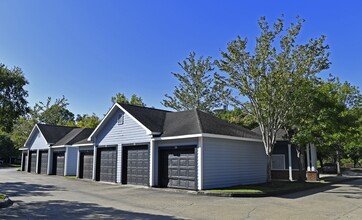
(249, 213)
(350, 211)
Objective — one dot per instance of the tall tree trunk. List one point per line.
(268, 168)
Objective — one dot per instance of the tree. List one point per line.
(54, 114)
(87, 121)
(272, 76)
(237, 116)
(13, 102)
(7, 149)
(197, 88)
(121, 98)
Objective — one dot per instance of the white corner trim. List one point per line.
(200, 163)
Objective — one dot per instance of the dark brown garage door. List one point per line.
(58, 163)
(86, 164)
(177, 168)
(43, 162)
(32, 161)
(135, 165)
(106, 164)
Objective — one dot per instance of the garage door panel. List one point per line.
(136, 162)
(43, 160)
(86, 165)
(179, 168)
(33, 162)
(107, 161)
(59, 163)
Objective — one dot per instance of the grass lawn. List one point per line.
(71, 177)
(268, 188)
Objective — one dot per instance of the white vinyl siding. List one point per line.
(114, 134)
(230, 162)
(37, 141)
(71, 161)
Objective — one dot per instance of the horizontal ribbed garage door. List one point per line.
(136, 165)
(32, 162)
(43, 162)
(58, 163)
(106, 164)
(86, 164)
(177, 168)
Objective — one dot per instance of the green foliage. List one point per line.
(197, 88)
(237, 116)
(54, 114)
(87, 121)
(13, 102)
(121, 98)
(274, 76)
(22, 129)
(7, 148)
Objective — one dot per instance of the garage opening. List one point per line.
(177, 168)
(135, 165)
(106, 164)
(25, 162)
(85, 164)
(58, 163)
(32, 162)
(43, 162)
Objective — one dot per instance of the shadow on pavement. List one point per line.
(354, 192)
(61, 209)
(26, 189)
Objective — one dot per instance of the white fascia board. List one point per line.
(23, 148)
(176, 137)
(208, 136)
(148, 131)
(230, 137)
(59, 146)
(31, 134)
(82, 145)
(101, 123)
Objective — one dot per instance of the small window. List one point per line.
(120, 119)
(278, 162)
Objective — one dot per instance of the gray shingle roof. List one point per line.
(281, 134)
(186, 122)
(53, 133)
(152, 118)
(74, 136)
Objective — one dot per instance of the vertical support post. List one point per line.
(200, 162)
(28, 161)
(22, 161)
(290, 162)
(37, 161)
(313, 153)
(152, 161)
(94, 162)
(308, 158)
(66, 161)
(78, 162)
(50, 161)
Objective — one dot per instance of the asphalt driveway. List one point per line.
(53, 197)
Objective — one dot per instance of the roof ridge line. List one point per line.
(199, 121)
(151, 108)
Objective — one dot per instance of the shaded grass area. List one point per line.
(274, 187)
(9, 165)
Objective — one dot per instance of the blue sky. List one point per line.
(90, 50)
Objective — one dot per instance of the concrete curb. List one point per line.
(278, 193)
(6, 202)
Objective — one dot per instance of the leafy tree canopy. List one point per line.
(197, 88)
(55, 113)
(273, 76)
(13, 102)
(121, 98)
